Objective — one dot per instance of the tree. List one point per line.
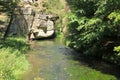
(94, 27)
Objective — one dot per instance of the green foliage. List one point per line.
(117, 49)
(115, 17)
(94, 27)
(13, 62)
(105, 7)
(15, 43)
(117, 52)
(53, 6)
(11, 4)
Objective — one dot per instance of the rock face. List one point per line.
(29, 20)
(27, 0)
(22, 20)
(37, 24)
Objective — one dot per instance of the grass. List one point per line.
(80, 72)
(15, 44)
(13, 61)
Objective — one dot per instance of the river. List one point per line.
(51, 60)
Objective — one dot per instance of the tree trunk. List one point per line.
(8, 27)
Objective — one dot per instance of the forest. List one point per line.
(92, 29)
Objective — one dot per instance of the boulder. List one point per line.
(43, 26)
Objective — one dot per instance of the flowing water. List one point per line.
(51, 60)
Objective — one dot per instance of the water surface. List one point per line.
(51, 60)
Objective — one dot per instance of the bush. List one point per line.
(94, 27)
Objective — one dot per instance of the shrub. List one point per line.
(94, 27)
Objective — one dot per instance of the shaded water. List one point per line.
(51, 60)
